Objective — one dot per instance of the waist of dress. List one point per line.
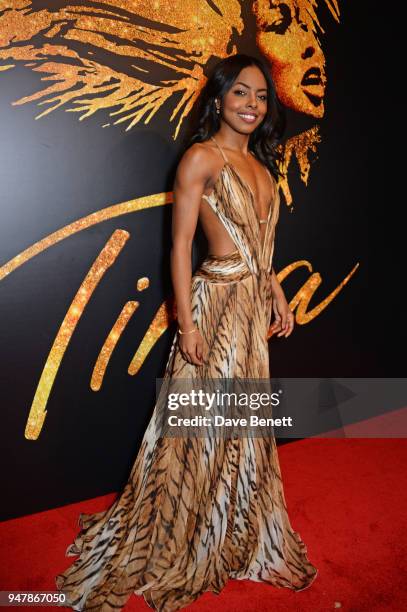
(224, 268)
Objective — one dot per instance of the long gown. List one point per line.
(197, 511)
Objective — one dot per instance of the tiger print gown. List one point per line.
(198, 511)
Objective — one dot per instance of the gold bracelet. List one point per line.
(188, 332)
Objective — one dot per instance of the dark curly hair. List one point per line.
(267, 136)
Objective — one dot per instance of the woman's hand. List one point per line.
(191, 347)
(284, 318)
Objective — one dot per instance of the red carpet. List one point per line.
(346, 498)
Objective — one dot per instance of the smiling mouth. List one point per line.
(248, 117)
(313, 85)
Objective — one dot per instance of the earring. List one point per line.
(217, 108)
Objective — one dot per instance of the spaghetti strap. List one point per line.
(220, 149)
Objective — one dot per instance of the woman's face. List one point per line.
(244, 106)
(285, 35)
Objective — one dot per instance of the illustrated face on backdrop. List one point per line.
(130, 57)
(286, 35)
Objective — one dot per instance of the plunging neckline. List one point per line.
(246, 185)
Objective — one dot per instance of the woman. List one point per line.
(197, 511)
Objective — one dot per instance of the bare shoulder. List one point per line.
(199, 153)
(198, 163)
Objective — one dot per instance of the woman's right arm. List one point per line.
(189, 185)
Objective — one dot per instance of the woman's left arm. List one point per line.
(283, 324)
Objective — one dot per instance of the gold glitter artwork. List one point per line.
(304, 295)
(300, 147)
(127, 59)
(109, 345)
(302, 298)
(104, 260)
(157, 51)
(160, 323)
(158, 199)
(143, 283)
(287, 33)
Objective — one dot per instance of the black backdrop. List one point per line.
(56, 170)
